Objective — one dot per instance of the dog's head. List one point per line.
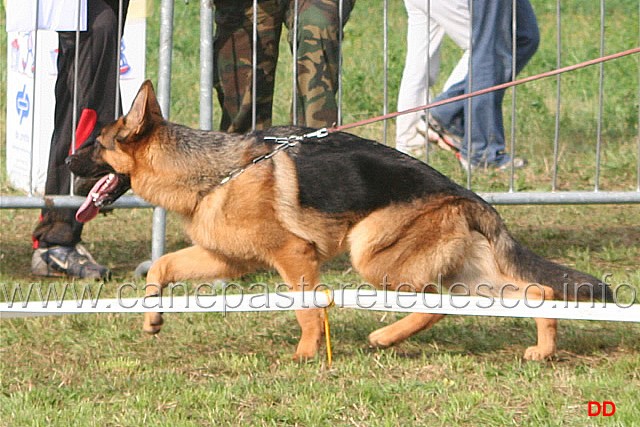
(112, 156)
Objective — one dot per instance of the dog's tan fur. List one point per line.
(256, 221)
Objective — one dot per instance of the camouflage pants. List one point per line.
(317, 59)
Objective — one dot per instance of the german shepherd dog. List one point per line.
(401, 221)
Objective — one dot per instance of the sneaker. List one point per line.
(502, 165)
(438, 135)
(72, 261)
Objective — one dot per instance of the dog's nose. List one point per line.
(68, 160)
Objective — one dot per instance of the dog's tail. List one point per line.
(517, 261)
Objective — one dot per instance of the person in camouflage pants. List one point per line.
(317, 59)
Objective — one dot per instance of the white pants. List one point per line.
(422, 63)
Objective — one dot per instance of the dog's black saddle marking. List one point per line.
(345, 173)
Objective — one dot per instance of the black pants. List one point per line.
(97, 87)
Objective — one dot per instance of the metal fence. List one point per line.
(594, 196)
(510, 197)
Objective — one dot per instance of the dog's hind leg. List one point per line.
(297, 262)
(482, 267)
(547, 328)
(403, 329)
(546, 346)
(408, 248)
(193, 262)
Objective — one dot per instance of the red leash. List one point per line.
(483, 91)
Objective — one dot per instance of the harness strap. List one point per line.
(282, 143)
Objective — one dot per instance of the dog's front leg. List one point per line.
(297, 263)
(194, 262)
(310, 321)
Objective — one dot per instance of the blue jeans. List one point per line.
(491, 60)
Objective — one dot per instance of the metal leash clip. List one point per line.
(294, 139)
(283, 143)
(320, 133)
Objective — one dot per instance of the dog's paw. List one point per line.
(306, 351)
(152, 323)
(379, 339)
(538, 353)
(303, 357)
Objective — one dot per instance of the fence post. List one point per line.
(164, 99)
(206, 64)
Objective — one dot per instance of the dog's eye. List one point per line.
(121, 137)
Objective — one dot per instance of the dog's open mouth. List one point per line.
(99, 196)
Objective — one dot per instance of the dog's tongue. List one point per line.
(91, 206)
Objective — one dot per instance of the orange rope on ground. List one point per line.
(327, 330)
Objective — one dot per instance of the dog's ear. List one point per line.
(145, 110)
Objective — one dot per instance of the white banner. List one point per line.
(363, 299)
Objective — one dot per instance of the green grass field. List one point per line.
(210, 369)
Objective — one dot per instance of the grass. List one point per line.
(209, 369)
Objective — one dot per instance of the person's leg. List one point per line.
(487, 127)
(491, 65)
(527, 33)
(233, 56)
(454, 18)
(57, 226)
(413, 91)
(318, 56)
(97, 85)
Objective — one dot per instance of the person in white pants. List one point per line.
(435, 18)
